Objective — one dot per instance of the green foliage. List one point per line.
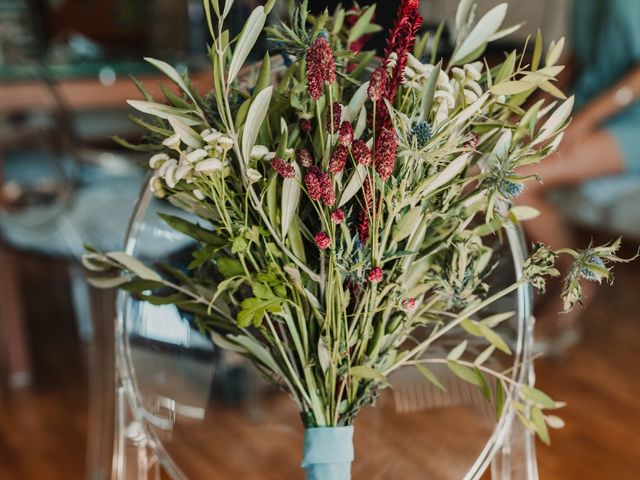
(327, 274)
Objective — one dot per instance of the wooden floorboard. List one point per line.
(43, 428)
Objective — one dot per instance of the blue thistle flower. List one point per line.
(510, 189)
(284, 54)
(422, 132)
(586, 272)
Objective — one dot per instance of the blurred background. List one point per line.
(65, 68)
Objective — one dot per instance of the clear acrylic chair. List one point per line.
(194, 411)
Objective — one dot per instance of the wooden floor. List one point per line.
(42, 429)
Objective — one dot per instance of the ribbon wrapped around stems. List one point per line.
(328, 453)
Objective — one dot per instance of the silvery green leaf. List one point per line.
(457, 352)
(413, 245)
(555, 121)
(95, 262)
(163, 111)
(248, 39)
(227, 8)
(450, 172)
(465, 8)
(407, 224)
(544, 111)
(324, 358)
(512, 87)
(430, 91)
(290, 199)
(257, 351)
(225, 344)
(481, 33)
(368, 373)
(187, 134)
(361, 125)
(429, 375)
(537, 396)
(537, 51)
(354, 185)
(554, 422)
(471, 110)
(171, 72)
(255, 118)
(505, 32)
(135, 266)
(361, 25)
(465, 373)
(269, 6)
(484, 355)
(503, 145)
(554, 53)
(357, 102)
(522, 213)
(553, 90)
(106, 283)
(494, 339)
(495, 320)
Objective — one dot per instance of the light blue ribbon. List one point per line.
(328, 453)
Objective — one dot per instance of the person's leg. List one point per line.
(597, 156)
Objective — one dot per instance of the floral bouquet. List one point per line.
(348, 209)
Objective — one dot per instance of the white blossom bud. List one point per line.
(170, 176)
(473, 71)
(253, 175)
(225, 143)
(155, 183)
(165, 165)
(458, 74)
(259, 151)
(212, 137)
(172, 142)
(182, 171)
(210, 165)
(198, 194)
(157, 160)
(196, 155)
(470, 96)
(475, 87)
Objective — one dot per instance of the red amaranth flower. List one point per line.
(377, 84)
(305, 125)
(361, 152)
(368, 197)
(337, 216)
(328, 192)
(313, 184)
(336, 111)
(409, 304)
(399, 44)
(322, 240)
(305, 158)
(386, 146)
(321, 67)
(472, 144)
(362, 224)
(284, 169)
(338, 159)
(375, 275)
(345, 134)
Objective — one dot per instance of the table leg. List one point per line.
(13, 323)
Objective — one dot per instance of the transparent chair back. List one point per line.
(200, 412)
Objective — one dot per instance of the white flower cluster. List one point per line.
(191, 163)
(450, 91)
